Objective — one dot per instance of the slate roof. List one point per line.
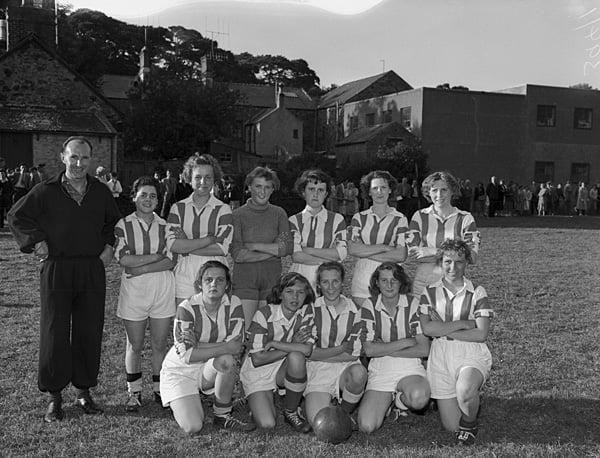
(262, 95)
(348, 91)
(27, 119)
(365, 134)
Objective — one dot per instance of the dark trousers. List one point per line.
(72, 292)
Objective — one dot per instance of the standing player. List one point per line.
(395, 344)
(261, 238)
(431, 226)
(281, 337)
(68, 221)
(147, 294)
(457, 315)
(377, 234)
(208, 333)
(200, 226)
(333, 367)
(319, 234)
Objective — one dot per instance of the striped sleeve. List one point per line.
(258, 332)
(184, 320)
(236, 319)
(401, 230)
(413, 234)
(307, 322)
(368, 321)
(355, 228)
(121, 247)
(414, 322)
(355, 333)
(296, 229)
(481, 304)
(224, 232)
(340, 236)
(470, 234)
(284, 240)
(173, 221)
(424, 303)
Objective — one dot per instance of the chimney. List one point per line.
(31, 16)
(278, 95)
(145, 62)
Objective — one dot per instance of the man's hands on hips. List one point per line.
(107, 255)
(41, 250)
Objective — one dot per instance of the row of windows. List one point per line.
(546, 117)
(386, 116)
(544, 171)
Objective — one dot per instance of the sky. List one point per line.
(482, 44)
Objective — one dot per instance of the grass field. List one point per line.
(543, 397)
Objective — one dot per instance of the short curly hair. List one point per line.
(457, 246)
(365, 181)
(398, 273)
(290, 279)
(197, 160)
(315, 175)
(444, 176)
(263, 172)
(143, 181)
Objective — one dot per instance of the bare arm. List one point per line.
(327, 254)
(184, 246)
(361, 250)
(477, 334)
(393, 255)
(341, 353)
(437, 328)
(137, 260)
(288, 347)
(204, 352)
(420, 350)
(375, 349)
(158, 266)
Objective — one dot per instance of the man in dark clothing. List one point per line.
(68, 222)
(493, 193)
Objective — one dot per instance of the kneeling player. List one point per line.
(457, 315)
(333, 366)
(394, 341)
(281, 335)
(208, 333)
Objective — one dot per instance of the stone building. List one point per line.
(43, 100)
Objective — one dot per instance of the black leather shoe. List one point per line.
(54, 412)
(87, 404)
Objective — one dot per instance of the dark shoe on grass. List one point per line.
(85, 402)
(54, 412)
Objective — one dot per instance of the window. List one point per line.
(370, 119)
(353, 123)
(330, 115)
(405, 117)
(582, 118)
(38, 3)
(225, 156)
(544, 171)
(580, 172)
(295, 133)
(546, 116)
(387, 116)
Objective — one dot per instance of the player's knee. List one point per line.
(224, 363)
(367, 425)
(466, 392)
(191, 427)
(296, 362)
(265, 422)
(358, 377)
(135, 347)
(417, 398)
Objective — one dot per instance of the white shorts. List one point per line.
(263, 378)
(179, 381)
(150, 295)
(324, 377)
(362, 276)
(447, 358)
(310, 272)
(385, 372)
(186, 271)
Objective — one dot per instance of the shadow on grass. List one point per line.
(21, 306)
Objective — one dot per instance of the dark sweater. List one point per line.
(48, 213)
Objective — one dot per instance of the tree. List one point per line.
(279, 69)
(174, 117)
(404, 159)
(583, 86)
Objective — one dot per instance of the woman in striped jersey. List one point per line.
(319, 234)
(281, 337)
(395, 343)
(333, 369)
(430, 226)
(147, 293)
(208, 335)
(200, 226)
(376, 235)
